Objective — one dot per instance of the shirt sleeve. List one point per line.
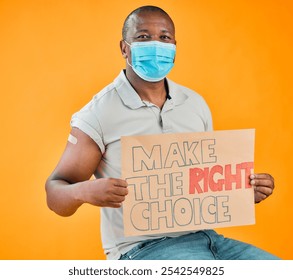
(208, 118)
(87, 121)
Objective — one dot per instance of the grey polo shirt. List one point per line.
(116, 111)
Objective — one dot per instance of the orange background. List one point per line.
(56, 54)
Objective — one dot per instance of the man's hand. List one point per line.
(105, 192)
(263, 186)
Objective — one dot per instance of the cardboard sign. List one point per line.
(188, 181)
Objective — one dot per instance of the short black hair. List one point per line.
(140, 10)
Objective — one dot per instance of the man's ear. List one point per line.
(175, 43)
(123, 48)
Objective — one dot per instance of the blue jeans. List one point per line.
(201, 245)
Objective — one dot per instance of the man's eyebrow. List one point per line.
(142, 30)
(146, 30)
(165, 31)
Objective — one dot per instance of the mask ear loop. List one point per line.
(127, 57)
(127, 43)
(128, 62)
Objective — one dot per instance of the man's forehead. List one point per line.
(144, 18)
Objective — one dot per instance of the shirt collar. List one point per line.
(176, 93)
(132, 100)
(127, 93)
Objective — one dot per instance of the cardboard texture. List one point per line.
(188, 181)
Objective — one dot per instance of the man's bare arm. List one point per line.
(69, 186)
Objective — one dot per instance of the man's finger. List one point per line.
(120, 183)
(262, 182)
(120, 191)
(264, 190)
(261, 176)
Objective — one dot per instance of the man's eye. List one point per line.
(143, 37)
(165, 37)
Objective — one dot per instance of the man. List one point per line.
(140, 101)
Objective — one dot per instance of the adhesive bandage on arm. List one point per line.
(72, 139)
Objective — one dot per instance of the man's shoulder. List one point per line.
(109, 92)
(100, 102)
(104, 93)
(177, 88)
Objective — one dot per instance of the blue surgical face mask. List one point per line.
(152, 60)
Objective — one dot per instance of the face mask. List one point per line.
(152, 60)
